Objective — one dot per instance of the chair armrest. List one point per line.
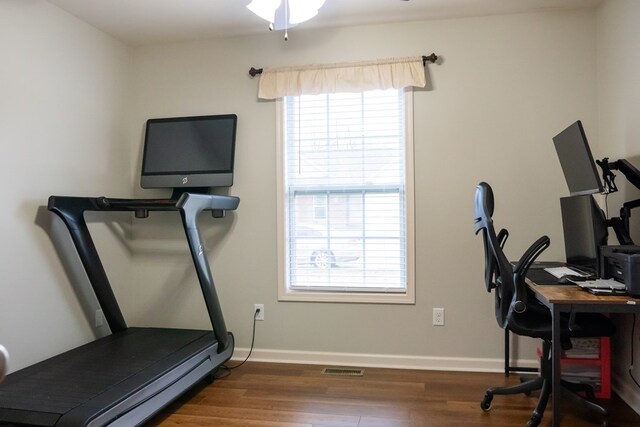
(519, 303)
(502, 237)
(491, 269)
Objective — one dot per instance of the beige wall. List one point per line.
(505, 86)
(62, 95)
(618, 66)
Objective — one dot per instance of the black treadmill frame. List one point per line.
(139, 397)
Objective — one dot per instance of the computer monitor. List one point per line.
(186, 153)
(585, 230)
(577, 161)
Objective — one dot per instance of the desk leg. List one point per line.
(555, 366)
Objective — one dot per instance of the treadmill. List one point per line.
(122, 379)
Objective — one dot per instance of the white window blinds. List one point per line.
(345, 198)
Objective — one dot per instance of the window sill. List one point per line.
(348, 297)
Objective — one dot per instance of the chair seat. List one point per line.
(536, 322)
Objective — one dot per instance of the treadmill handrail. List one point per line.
(71, 210)
(190, 206)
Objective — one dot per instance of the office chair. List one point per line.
(517, 310)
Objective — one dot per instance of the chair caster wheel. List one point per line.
(486, 402)
(534, 421)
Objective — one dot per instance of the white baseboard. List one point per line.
(379, 361)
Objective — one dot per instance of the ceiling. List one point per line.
(138, 22)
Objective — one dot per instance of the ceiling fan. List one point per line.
(286, 14)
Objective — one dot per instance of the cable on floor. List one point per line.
(224, 370)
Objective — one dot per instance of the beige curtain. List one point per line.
(347, 77)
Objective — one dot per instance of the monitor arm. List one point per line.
(620, 224)
(608, 177)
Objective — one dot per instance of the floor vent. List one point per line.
(345, 372)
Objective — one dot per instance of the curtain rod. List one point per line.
(431, 58)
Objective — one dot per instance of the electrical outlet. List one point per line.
(260, 309)
(438, 317)
(99, 318)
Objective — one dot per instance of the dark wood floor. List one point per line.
(270, 394)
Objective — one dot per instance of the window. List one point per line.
(320, 207)
(346, 197)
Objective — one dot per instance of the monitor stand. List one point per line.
(179, 191)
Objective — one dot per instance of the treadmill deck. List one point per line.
(84, 383)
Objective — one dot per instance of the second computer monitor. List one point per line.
(576, 161)
(585, 230)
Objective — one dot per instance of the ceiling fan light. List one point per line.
(303, 10)
(265, 9)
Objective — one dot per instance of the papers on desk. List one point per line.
(603, 287)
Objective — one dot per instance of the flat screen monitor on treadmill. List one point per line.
(189, 152)
(577, 161)
(585, 230)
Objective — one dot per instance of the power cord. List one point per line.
(633, 330)
(227, 369)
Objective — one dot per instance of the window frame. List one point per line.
(395, 297)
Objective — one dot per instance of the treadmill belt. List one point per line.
(59, 384)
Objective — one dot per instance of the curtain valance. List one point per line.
(346, 77)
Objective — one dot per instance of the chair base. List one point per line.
(543, 383)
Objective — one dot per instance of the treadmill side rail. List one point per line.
(142, 403)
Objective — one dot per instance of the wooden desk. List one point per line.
(567, 299)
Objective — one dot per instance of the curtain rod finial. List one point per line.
(431, 58)
(255, 71)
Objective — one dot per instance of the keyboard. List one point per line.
(559, 272)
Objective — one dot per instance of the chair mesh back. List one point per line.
(498, 270)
